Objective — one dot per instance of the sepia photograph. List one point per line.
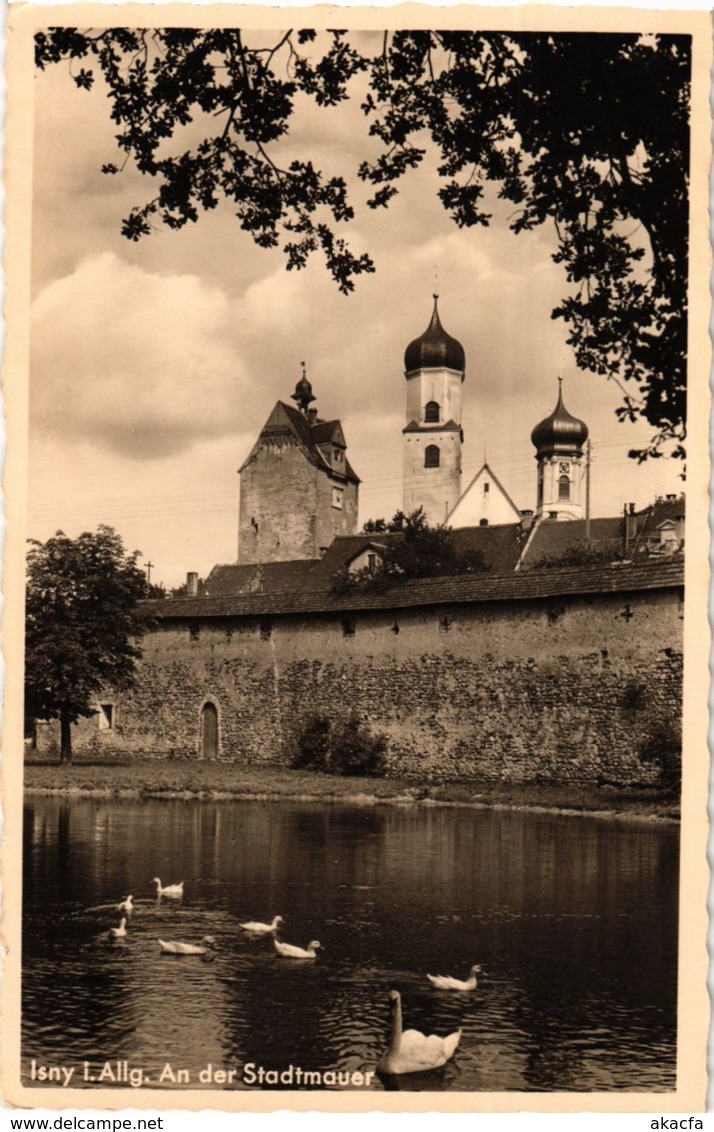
(356, 735)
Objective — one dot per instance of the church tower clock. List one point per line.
(434, 367)
(559, 441)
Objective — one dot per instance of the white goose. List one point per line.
(445, 982)
(412, 1052)
(288, 951)
(126, 905)
(120, 932)
(175, 947)
(262, 929)
(169, 889)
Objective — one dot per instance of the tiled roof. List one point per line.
(464, 588)
(263, 577)
(551, 537)
(650, 518)
(284, 420)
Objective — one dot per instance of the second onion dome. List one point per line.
(560, 433)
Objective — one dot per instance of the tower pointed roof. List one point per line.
(560, 432)
(434, 348)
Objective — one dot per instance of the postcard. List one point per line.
(355, 626)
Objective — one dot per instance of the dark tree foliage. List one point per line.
(82, 625)
(415, 550)
(589, 131)
(346, 747)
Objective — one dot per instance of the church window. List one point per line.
(337, 498)
(432, 456)
(432, 413)
(540, 488)
(563, 488)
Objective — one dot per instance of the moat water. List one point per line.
(572, 919)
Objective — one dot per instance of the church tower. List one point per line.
(559, 441)
(434, 367)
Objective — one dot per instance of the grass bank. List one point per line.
(174, 778)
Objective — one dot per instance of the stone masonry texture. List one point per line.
(567, 689)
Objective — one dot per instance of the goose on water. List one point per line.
(126, 905)
(175, 947)
(120, 932)
(412, 1052)
(445, 982)
(288, 951)
(169, 889)
(262, 929)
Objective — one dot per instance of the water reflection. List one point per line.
(573, 921)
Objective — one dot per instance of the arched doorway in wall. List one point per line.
(208, 741)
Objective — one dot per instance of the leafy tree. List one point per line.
(346, 747)
(82, 627)
(413, 550)
(589, 131)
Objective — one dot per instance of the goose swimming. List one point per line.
(445, 982)
(262, 929)
(126, 905)
(175, 947)
(288, 951)
(169, 889)
(120, 932)
(412, 1052)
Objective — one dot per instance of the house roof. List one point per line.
(464, 588)
(284, 420)
(551, 537)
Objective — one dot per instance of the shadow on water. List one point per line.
(573, 920)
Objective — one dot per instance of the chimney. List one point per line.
(192, 584)
(630, 532)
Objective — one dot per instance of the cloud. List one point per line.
(142, 363)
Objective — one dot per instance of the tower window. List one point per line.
(432, 456)
(563, 488)
(432, 413)
(486, 487)
(337, 498)
(338, 456)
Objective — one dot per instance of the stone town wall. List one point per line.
(567, 689)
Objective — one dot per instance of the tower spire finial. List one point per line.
(303, 394)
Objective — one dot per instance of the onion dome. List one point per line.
(303, 391)
(434, 348)
(560, 432)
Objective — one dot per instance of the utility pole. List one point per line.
(588, 460)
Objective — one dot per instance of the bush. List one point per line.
(347, 748)
(313, 751)
(663, 748)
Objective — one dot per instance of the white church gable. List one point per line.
(485, 501)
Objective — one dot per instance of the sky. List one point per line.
(154, 365)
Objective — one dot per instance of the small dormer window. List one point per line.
(432, 456)
(432, 412)
(338, 456)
